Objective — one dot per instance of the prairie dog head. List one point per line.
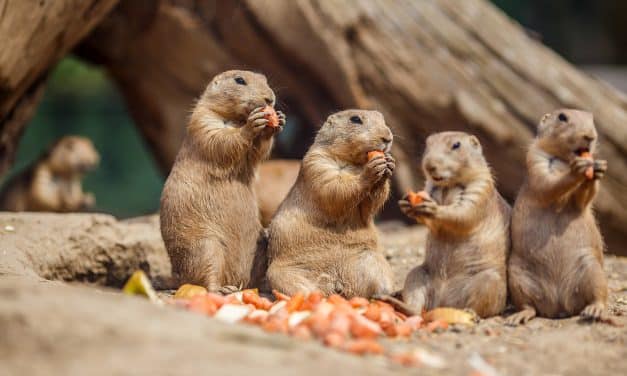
(234, 94)
(452, 158)
(566, 133)
(349, 135)
(73, 155)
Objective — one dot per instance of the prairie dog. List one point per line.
(54, 181)
(469, 238)
(323, 236)
(556, 266)
(209, 215)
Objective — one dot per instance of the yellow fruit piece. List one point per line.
(139, 284)
(451, 316)
(188, 291)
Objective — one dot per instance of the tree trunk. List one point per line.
(34, 35)
(428, 65)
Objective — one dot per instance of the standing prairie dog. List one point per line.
(54, 182)
(323, 236)
(469, 238)
(556, 266)
(209, 215)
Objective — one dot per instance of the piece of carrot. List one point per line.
(301, 332)
(374, 154)
(364, 346)
(405, 359)
(312, 300)
(257, 317)
(295, 302)
(280, 296)
(271, 115)
(589, 171)
(416, 198)
(373, 312)
(358, 302)
(275, 324)
(202, 304)
(340, 322)
(415, 322)
(339, 303)
(334, 339)
(361, 327)
(256, 300)
(413, 198)
(217, 299)
(435, 325)
(318, 323)
(403, 330)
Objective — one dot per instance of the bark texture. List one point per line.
(34, 35)
(428, 65)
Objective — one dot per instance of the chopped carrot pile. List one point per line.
(353, 326)
(374, 154)
(271, 115)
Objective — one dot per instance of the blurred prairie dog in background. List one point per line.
(54, 182)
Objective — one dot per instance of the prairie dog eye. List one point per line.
(562, 117)
(240, 81)
(456, 145)
(356, 120)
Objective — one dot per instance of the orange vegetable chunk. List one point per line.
(374, 154)
(271, 115)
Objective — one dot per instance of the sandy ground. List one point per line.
(83, 328)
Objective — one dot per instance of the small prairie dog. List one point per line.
(276, 178)
(556, 266)
(469, 238)
(323, 236)
(209, 216)
(54, 182)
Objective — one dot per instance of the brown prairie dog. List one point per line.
(323, 236)
(556, 266)
(209, 216)
(276, 178)
(468, 221)
(54, 182)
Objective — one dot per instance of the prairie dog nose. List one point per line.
(588, 138)
(269, 100)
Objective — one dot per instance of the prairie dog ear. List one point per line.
(544, 123)
(474, 142)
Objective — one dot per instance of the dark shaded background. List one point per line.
(81, 100)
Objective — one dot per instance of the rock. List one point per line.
(93, 248)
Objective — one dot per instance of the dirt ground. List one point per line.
(49, 327)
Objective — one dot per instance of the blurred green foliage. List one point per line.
(81, 100)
